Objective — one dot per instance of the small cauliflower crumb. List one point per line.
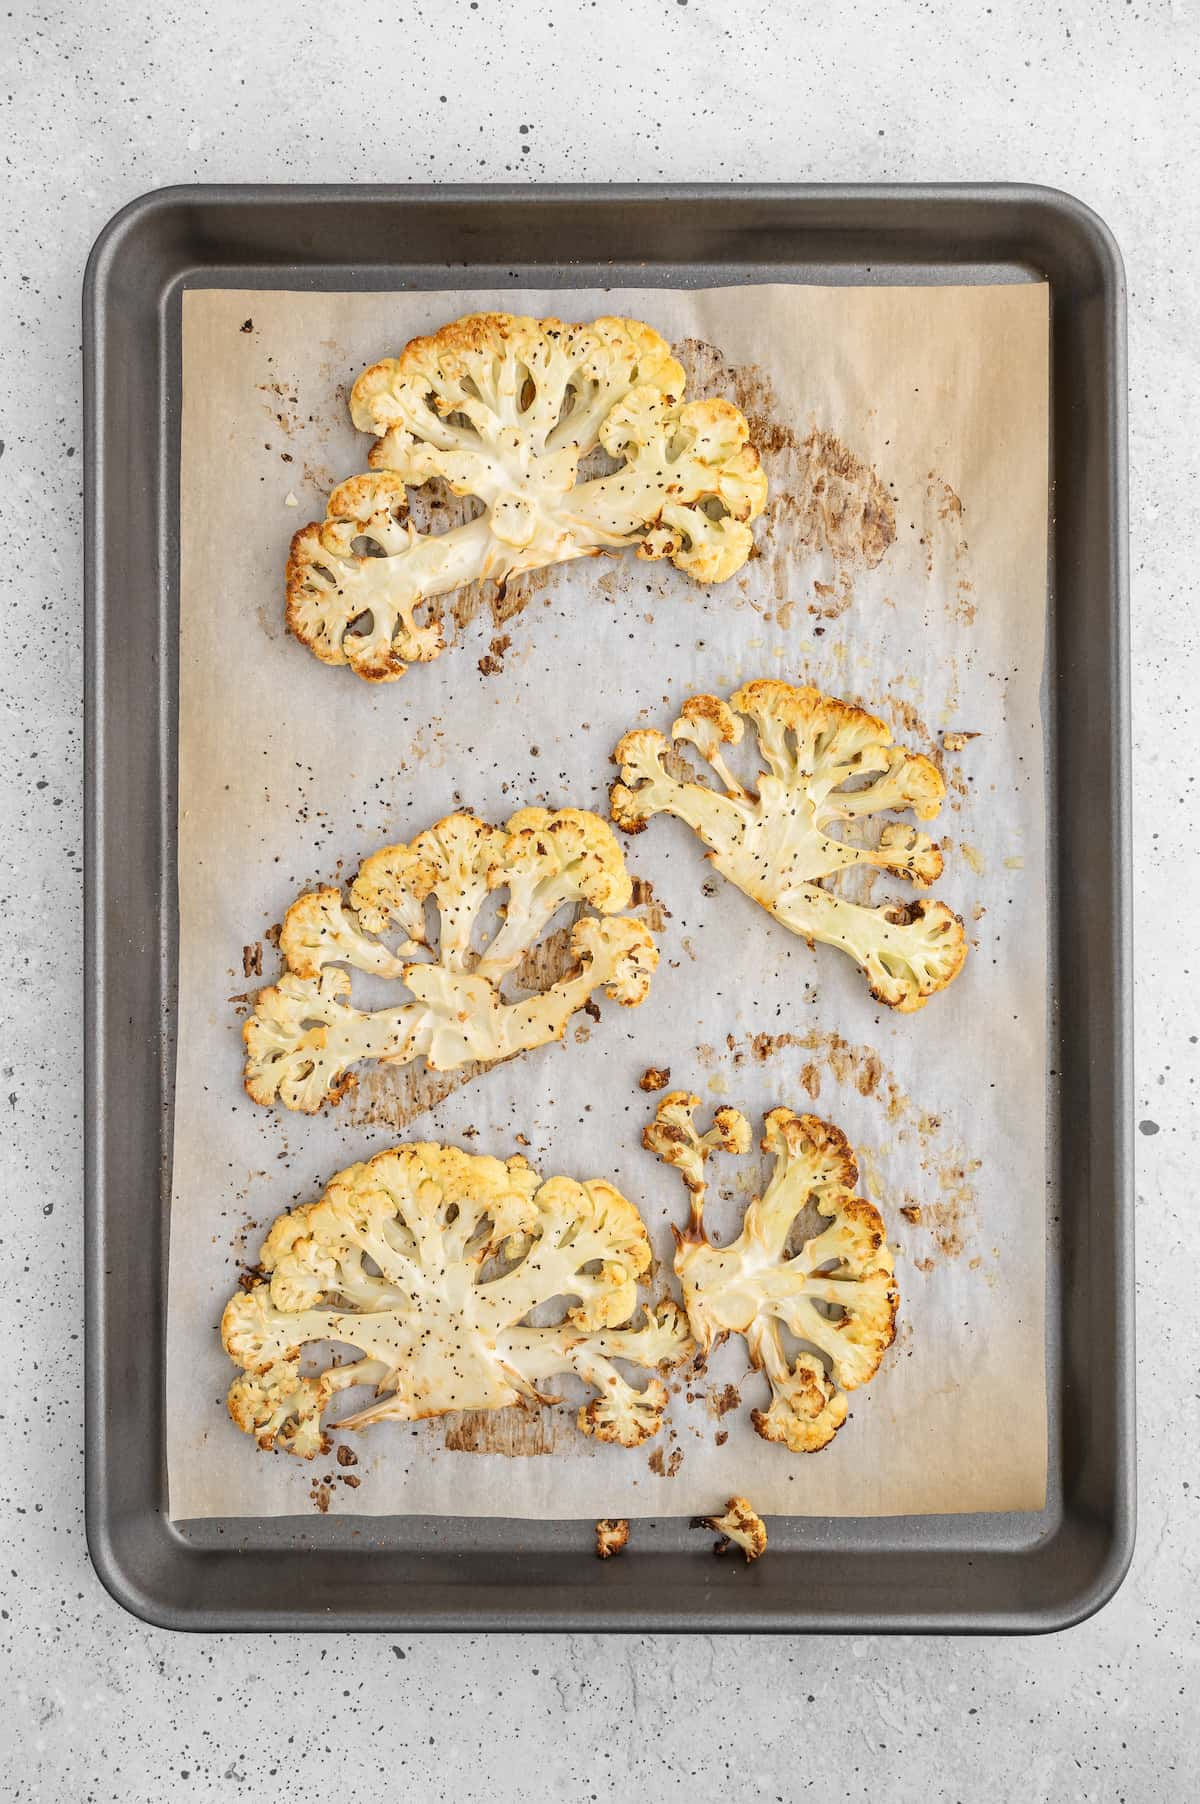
(954, 742)
(612, 1534)
(741, 1525)
(655, 1077)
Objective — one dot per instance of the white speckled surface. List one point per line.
(104, 102)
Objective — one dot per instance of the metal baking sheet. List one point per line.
(966, 1573)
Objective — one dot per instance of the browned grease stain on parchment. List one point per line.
(840, 503)
(944, 1218)
(516, 1432)
(944, 542)
(271, 620)
(824, 498)
(654, 913)
(395, 1095)
(718, 1403)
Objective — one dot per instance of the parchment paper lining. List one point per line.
(922, 411)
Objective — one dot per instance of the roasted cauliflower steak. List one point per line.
(772, 839)
(429, 1262)
(304, 1037)
(836, 1294)
(504, 409)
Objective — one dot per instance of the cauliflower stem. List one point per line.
(773, 840)
(429, 1261)
(836, 1295)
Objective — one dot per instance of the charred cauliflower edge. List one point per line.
(612, 1536)
(771, 840)
(754, 1287)
(429, 1260)
(304, 1037)
(503, 409)
(740, 1526)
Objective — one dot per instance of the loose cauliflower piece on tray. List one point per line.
(504, 409)
(304, 1036)
(429, 1262)
(740, 1526)
(612, 1536)
(836, 1294)
(771, 839)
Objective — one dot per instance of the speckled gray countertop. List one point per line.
(102, 103)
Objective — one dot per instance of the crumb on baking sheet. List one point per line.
(612, 1535)
(740, 1526)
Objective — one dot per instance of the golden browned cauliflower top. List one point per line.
(304, 1037)
(504, 409)
(836, 1293)
(774, 838)
(430, 1262)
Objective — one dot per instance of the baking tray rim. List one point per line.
(1072, 216)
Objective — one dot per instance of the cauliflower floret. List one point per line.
(704, 454)
(612, 1535)
(837, 1295)
(360, 608)
(623, 1416)
(390, 891)
(773, 842)
(320, 930)
(553, 861)
(430, 1261)
(304, 1037)
(281, 1409)
(503, 409)
(740, 1526)
(672, 1135)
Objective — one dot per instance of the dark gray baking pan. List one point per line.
(965, 1573)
